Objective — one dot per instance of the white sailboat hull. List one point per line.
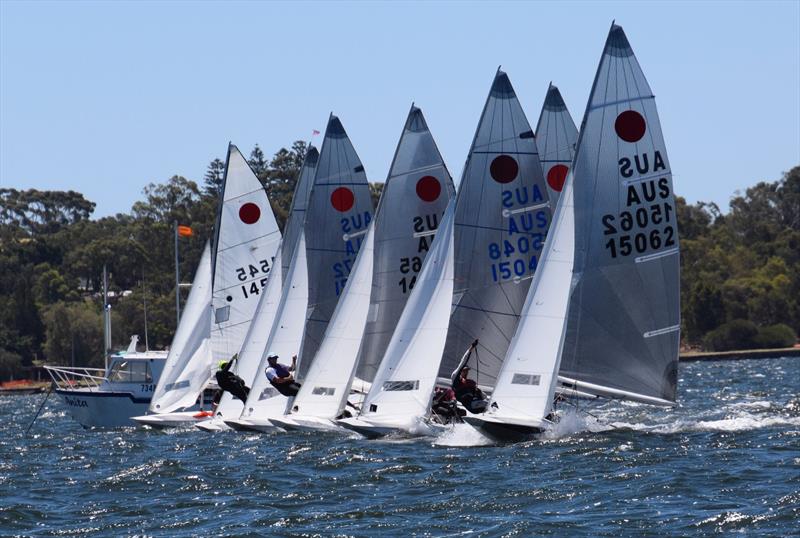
(215, 424)
(382, 426)
(306, 424)
(172, 420)
(254, 424)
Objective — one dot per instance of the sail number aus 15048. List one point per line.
(523, 244)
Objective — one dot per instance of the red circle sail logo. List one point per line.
(428, 188)
(504, 169)
(249, 213)
(630, 126)
(556, 177)
(342, 199)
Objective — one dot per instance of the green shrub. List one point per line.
(10, 365)
(773, 336)
(736, 334)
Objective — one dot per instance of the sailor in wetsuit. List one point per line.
(228, 381)
(280, 377)
(467, 391)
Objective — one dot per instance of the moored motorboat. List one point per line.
(108, 398)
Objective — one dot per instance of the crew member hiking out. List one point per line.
(466, 389)
(280, 375)
(228, 381)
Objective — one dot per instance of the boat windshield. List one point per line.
(130, 372)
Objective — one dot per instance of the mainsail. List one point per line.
(414, 197)
(246, 240)
(189, 362)
(338, 215)
(401, 393)
(255, 342)
(556, 136)
(501, 219)
(624, 320)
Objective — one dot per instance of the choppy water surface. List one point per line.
(727, 460)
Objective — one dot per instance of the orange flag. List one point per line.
(184, 231)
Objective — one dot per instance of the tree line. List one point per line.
(740, 271)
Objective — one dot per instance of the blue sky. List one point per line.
(105, 97)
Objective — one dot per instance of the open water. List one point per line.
(726, 461)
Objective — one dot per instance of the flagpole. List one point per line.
(177, 281)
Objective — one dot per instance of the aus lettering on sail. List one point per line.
(525, 208)
(423, 228)
(646, 222)
(354, 228)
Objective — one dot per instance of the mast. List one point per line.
(106, 319)
(177, 281)
(144, 303)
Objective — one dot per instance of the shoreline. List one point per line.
(739, 354)
(38, 387)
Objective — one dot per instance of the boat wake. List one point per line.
(461, 435)
(735, 416)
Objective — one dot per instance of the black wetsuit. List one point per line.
(230, 382)
(468, 393)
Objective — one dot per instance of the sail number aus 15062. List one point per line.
(635, 221)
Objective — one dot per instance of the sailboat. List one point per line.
(326, 387)
(400, 396)
(614, 331)
(556, 137)
(189, 362)
(337, 219)
(254, 345)
(229, 283)
(501, 220)
(416, 192)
